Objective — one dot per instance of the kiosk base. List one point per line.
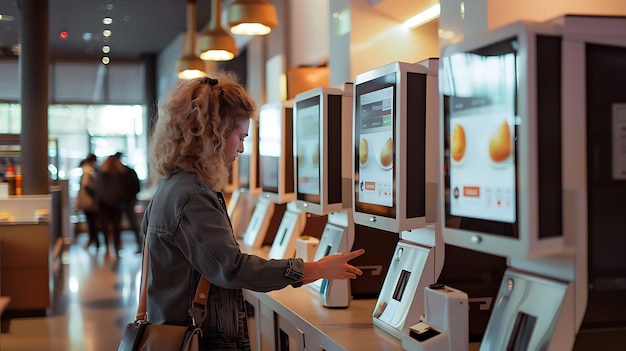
(263, 224)
(526, 314)
(401, 300)
(240, 207)
(289, 230)
(337, 237)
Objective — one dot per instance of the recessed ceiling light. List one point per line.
(106, 33)
(106, 49)
(106, 60)
(107, 20)
(6, 18)
(109, 7)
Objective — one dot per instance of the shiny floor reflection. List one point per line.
(95, 297)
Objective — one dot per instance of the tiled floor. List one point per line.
(96, 296)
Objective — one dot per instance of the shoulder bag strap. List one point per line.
(198, 306)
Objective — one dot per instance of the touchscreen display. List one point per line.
(270, 147)
(375, 156)
(244, 163)
(243, 169)
(308, 150)
(482, 134)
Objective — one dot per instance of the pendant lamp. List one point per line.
(215, 44)
(252, 17)
(190, 65)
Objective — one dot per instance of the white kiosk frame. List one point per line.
(419, 255)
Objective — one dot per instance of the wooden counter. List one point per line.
(25, 260)
(25, 267)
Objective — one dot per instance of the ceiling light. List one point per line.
(190, 65)
(215, 44)
(108, 7)
(252, 17)
(107, 20)
(423, 17)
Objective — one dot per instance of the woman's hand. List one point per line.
(333, 267)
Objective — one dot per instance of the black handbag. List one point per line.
(144, 336)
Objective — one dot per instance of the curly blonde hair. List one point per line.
(193, 123)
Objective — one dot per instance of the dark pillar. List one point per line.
(150, 91)
(151, 99)
(34, 61)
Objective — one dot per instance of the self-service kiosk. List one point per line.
(502, 152)
(396, 114)
(323, 123)
(522, 149)
(275, 173)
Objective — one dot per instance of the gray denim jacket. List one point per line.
(189, 234)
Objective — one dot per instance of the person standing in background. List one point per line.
(131, 187)
(110, 194)
(86, 199)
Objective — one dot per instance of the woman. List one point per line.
(199, 132)
(86, 199)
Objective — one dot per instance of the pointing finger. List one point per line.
(355, 254)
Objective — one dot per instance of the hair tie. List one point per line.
(207, 80)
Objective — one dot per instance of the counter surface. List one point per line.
(351, 327)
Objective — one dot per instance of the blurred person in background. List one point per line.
(131, 187)
(86, 199)
(110, 195)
